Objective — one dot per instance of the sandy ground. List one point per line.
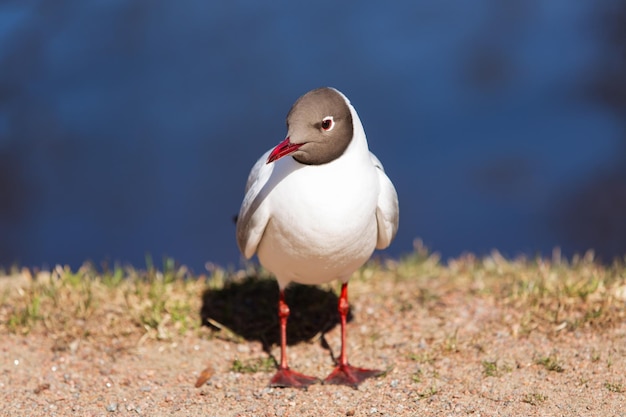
(453, 354)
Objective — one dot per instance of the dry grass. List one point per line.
(548, 296)
(124, 302)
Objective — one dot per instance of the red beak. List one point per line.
(282, 149)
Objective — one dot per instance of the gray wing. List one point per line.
(387, 210)
(253, 214)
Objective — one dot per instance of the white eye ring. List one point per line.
(328, 123)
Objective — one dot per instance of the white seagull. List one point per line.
(318, 215)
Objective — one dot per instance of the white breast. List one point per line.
(322, 223)
(317, 223)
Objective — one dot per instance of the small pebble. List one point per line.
(112, 407)
(42, 387)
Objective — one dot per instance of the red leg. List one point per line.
(285, 377)
(344, 373)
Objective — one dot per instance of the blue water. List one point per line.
(130, 128)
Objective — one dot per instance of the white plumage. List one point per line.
(317, 223)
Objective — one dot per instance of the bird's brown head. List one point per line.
(319, 128)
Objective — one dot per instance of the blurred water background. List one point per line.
(129, 128)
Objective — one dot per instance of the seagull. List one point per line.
(315, 208)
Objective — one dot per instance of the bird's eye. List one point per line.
(328, 123)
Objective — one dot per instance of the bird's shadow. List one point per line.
(249, 307)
